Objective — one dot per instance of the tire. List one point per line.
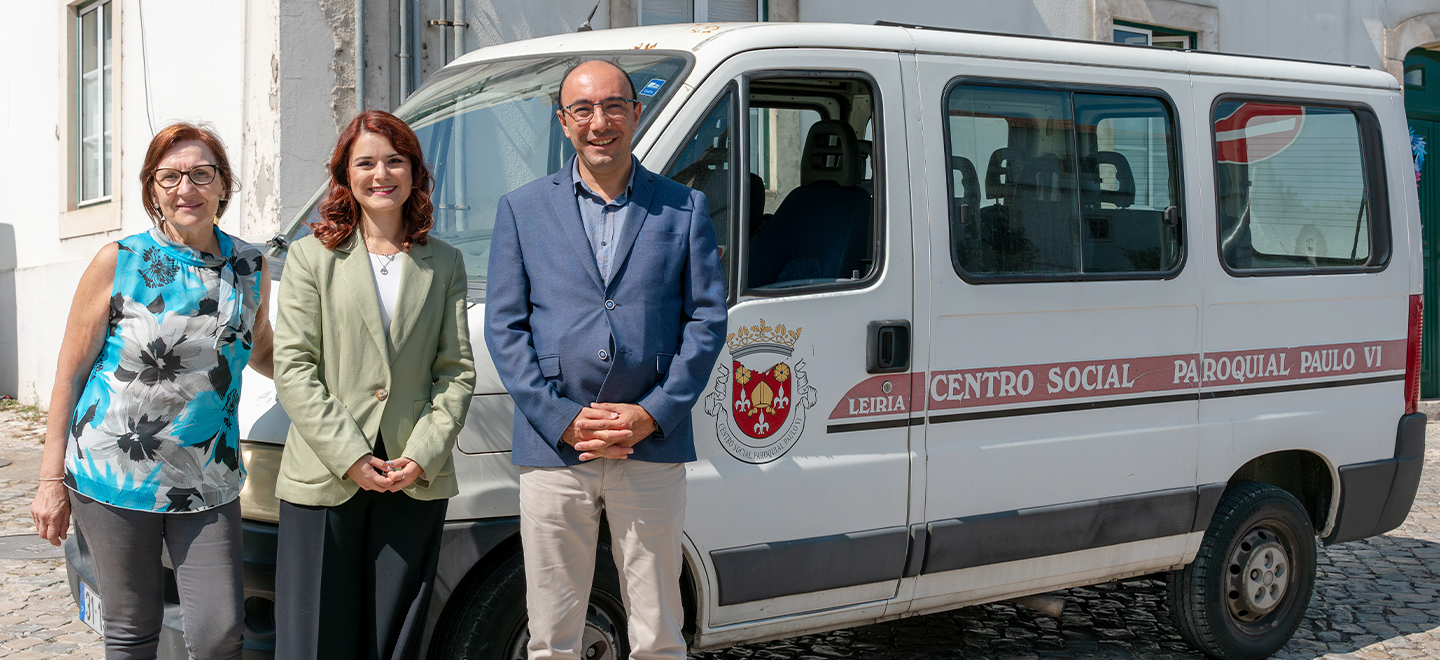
(1250, 584)
(489, 621)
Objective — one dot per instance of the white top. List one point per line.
(387, 284)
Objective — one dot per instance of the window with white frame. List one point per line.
(1149, 35)
(656, 12)
(94, 100)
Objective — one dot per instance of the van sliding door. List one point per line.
(1060, 445)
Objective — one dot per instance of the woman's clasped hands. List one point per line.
(372, 473)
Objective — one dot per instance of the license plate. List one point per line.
(91, 610)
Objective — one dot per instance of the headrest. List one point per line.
(1044, 178)
(831, 154)
(867, 153)
(969, 180)
(1002, 175)
(1124, 194)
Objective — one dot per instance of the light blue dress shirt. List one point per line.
(604, 221)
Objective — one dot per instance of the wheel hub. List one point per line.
(1259, 574)
(599, 642)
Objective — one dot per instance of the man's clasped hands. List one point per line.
(608, 430)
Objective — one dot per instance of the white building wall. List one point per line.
(198, 72)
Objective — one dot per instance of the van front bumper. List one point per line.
(1375, 497)
(259, 571)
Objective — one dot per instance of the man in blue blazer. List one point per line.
(605, 312)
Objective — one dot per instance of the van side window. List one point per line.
(813, 202)
(705, 165)
(1055, 184)
(1297, 189)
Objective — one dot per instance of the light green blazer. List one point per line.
(342, 380)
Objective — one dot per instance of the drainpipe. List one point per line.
(459, 24)
(359, 56)
(405, 57)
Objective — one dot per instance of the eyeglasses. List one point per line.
(583, 111)
(199, 175)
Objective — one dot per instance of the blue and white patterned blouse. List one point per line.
(155, 427)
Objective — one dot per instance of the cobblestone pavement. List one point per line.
(1376, 599)
(38, 619)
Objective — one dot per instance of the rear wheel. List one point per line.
(1250, 584)
(489, 621)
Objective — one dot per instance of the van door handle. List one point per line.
(887, 347)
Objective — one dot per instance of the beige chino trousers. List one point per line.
(559, 529)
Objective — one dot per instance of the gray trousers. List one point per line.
(205, 551)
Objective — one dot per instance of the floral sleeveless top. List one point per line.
(155, 427)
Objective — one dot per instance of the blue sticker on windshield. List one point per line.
(652, 87)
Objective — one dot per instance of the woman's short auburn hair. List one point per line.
(340, 213)
(162, 143)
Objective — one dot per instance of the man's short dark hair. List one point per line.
(559, 94)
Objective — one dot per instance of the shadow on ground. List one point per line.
(1382, 589)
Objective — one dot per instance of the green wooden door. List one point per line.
(1430, 250)
(1422, 107)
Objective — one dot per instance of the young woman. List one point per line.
(373, 365)
(142, 447)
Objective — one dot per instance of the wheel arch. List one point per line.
(470, 552)
(1307, 476)
(469, 556)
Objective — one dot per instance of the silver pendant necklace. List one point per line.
(389, 259)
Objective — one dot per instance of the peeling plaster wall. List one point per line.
(339, 17)
(316, 95)
(260, 157)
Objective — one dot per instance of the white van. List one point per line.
(1007, 315)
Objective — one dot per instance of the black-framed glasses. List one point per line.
(582, 112)
(199, 175)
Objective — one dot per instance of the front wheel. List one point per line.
(1250, 584)
(489, 620)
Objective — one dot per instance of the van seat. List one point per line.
(822, 228)
(758, 218)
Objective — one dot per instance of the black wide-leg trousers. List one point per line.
(354, 580)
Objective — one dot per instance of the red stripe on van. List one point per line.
(984, 387)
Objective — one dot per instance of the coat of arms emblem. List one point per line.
(759, 403)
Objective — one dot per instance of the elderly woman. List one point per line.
(142, 447)
(372, 351)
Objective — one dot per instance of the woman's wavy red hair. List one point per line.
(340, 213)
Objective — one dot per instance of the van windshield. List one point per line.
(490, 127)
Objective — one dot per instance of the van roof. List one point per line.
(712, 42)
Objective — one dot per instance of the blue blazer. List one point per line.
(561, 339)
